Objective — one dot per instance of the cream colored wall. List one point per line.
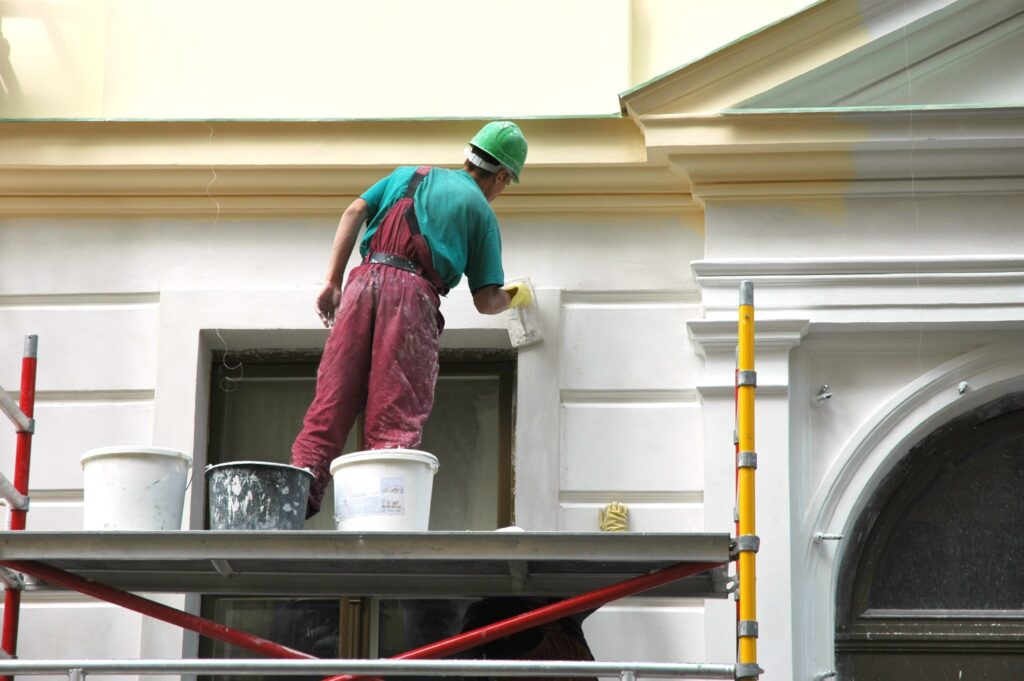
(167, 59)
(316, 58)
(670, 33)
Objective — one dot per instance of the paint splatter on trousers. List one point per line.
(381, 357)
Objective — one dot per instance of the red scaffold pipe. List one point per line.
(548, 613)
(155, 610)
(26, 402)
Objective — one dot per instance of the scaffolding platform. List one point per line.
(379, 563)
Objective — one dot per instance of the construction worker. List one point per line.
(426, 227)
(559, 640)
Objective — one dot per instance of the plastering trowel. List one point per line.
(524, 321)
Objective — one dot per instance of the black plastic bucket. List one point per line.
(257, 495)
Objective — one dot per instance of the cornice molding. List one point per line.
(314, 143)
(576, 166)
(865, 151)
(305, 190)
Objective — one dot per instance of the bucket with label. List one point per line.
(257, 495)
(134, 488)
(383, 490)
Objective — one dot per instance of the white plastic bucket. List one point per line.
(134, 488)
(383, 490)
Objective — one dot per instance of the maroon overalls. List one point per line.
(382, 353)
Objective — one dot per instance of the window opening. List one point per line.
(257, 404)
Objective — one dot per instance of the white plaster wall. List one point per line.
(69, 627)
(661, 630)
(925, 224)
(895, 285)
(128, 309)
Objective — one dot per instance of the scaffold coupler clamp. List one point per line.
(744, 542)
(748, 671)
(11, 580)
(724, 583)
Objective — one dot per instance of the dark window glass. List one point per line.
(932, 585)
(958, 535)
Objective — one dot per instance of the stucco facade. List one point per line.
(860, 162)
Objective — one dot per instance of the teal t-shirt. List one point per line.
(455, 219)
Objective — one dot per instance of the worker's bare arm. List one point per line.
(491, 300)
(344, 240)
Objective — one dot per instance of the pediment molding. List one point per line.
(837, 53)
(776, 54)
(882, 69)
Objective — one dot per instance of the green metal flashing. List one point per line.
(425, 119)
(895, 108)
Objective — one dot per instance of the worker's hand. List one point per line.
(327, 303)
(519, 293)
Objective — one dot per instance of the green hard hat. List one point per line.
(505, 142)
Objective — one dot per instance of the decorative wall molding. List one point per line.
(931, 291)
(628, 397)
(113, 299)
(830, 270)
(719, 335)
(631, 496)
(663, 297)
(728, 391)
(93, 396)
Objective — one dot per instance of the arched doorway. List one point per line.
(932, 586)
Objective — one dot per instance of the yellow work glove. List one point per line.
(614, 517)
(521, 296)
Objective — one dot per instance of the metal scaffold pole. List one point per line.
(16, 495)
(747, 542)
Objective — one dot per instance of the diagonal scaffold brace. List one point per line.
(444, 648)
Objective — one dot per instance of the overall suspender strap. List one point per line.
(422, 248)
(410, 192)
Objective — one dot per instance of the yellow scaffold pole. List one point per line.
(747, 542)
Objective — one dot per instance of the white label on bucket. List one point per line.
(387, 499)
